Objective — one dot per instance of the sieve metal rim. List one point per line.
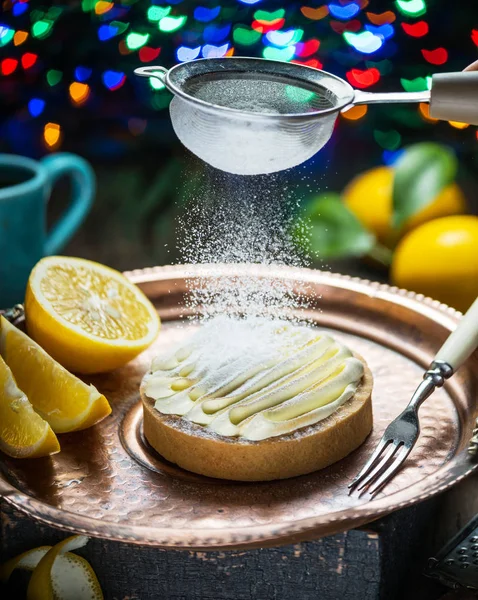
(210, 107)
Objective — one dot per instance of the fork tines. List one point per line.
(385, 461)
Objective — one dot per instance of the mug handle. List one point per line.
(84, 186)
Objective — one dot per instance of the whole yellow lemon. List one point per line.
(440, 259)
(369, 197)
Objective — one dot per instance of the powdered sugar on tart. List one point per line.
(254, 378)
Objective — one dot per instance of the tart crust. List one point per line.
(196, 449)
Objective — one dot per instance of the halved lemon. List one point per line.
(66, 402)
(23, 433)
(88, 317)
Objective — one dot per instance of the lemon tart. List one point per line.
(257, 400)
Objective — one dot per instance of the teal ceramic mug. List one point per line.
(25, 187)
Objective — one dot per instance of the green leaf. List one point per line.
(420, 175)
(334, 231)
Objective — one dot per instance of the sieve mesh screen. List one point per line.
(259, 93)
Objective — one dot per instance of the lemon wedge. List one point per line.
(57, 573)
(23, 433)
(63, 400)
(88, 317)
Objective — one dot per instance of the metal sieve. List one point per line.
(250, 116)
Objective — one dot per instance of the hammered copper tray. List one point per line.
(107, 482)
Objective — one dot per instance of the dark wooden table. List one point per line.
(384, 560)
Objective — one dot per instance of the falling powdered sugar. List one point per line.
(241, 222)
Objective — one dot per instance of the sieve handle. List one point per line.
(157, 72)
(454, 97)
(390, 97)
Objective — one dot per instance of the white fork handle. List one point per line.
(461, 343)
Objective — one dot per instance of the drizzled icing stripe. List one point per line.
(254, 378)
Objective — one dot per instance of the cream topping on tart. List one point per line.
(254, 378)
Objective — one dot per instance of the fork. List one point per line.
(401, 435)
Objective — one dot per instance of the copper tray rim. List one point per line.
(456, 469)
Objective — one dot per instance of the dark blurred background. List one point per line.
(67, 84)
